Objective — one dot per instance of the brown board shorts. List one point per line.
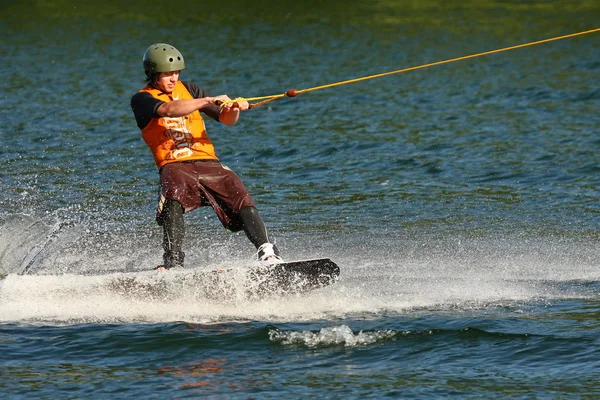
(205, 183)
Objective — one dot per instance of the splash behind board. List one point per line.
(251, 282)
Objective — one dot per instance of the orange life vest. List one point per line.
(173, 139)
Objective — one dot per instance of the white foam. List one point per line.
(337, 335)
(154, 296)
(164, 296)
(385, 275)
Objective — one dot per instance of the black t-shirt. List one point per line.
(144, 105)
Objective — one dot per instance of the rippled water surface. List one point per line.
(460, 201)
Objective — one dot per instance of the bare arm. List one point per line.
(230, 112)
(181, 108)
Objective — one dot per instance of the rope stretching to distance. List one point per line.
(294, 92)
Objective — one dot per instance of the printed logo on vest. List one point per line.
(178, 131)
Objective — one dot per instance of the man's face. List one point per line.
(166, 81)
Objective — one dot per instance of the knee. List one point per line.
(171, 210)
(250, 217)
(249, 211)
(173, 207)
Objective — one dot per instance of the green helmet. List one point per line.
(162, 57)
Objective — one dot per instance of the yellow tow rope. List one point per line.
(294, 92)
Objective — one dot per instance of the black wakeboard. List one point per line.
(295, 276)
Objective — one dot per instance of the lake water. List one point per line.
(460, 201)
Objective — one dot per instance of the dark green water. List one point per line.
(461, 201)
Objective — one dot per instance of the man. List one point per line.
(167, 111)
